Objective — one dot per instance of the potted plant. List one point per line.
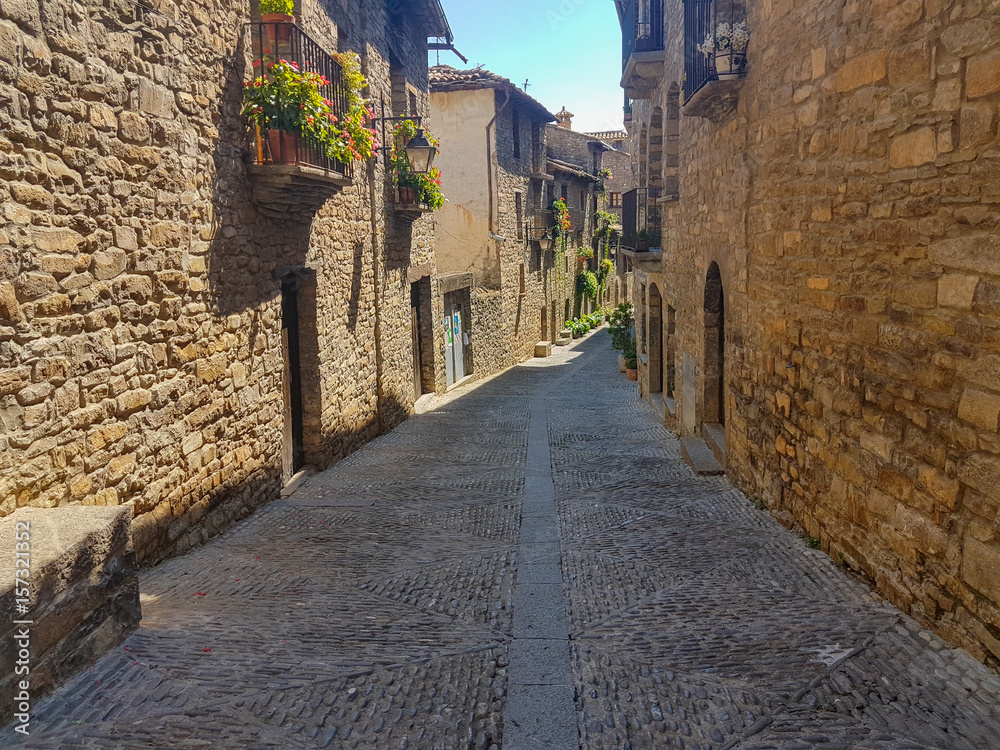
(277, 11)
(415, 189)
(642, 240)
(631, 361)
(729, 45)
(620, 324)
(285, 103)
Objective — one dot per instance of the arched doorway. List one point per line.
(714, 393)
(655, 340)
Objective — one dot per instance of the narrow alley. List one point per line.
(527, 564)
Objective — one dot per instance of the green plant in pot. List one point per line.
(286, 103)
(277, 11)
(414, 187)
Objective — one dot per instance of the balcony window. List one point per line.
(702, 19)
(285, 41)
(642, 47)
(640, 219)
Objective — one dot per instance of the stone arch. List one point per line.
(714, 382)
(655, 156)
(655, 333)
(642, 157)
(671, 142)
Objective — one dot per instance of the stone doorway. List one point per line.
(655, 333)
(714, 388)
(422, 332)
(292, 453)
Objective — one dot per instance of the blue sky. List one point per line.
(569, 50)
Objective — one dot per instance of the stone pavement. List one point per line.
(527, 564)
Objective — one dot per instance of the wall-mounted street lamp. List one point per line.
(545, 242)
(419, 150)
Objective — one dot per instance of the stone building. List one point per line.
(500, 176)
(824, 309)
(182, 329)
(619, 163)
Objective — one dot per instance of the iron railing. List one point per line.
(701, 18)
(640, 219)
(272, 42)
(642, 28)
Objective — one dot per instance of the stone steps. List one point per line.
(715, 438)
(700, 457)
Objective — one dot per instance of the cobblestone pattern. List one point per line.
(697, 621)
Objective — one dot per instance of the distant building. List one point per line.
(504, 165)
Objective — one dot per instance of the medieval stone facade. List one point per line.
(501, 172)
(826, 304)
(170, 339)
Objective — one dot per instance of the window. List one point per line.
(616, 200)
(563, 191)
(518, 211)
(517, 134)
(413, 104)
(583, 200)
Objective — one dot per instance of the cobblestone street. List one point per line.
(527, 564)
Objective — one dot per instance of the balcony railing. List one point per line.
(642, 28)
(640, 219)
(285, 41)
(701, 18)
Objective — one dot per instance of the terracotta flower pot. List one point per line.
(280, 31)
(407, 195)
(632, 374)
(281, 146)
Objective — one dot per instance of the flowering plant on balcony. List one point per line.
(605, 174)
(560, 213)
(726, 39)
(426, 186)
(291, 100)
(284, 7)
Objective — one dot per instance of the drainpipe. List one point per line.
(377, 273)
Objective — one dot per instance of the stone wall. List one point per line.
(141, 357)
(849, 200)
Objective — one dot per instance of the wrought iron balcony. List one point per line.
(711, 90)
(640, 219)
(642, 47)
(291, 172)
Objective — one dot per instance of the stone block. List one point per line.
(981, 471)
(861, 71)
(943, 488)
(978, 253)
(132, 127)
(957, 290)
(910, 64)
(543, 349)
(982, 75)
(981, 567)
(83, 590)
(980, 408)
(913, 149)
(32, 196)
(975, 125)
(131, 401)
(10, 310)
(818, 60)
(56, 240)
(106, 264)
(102, 116)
